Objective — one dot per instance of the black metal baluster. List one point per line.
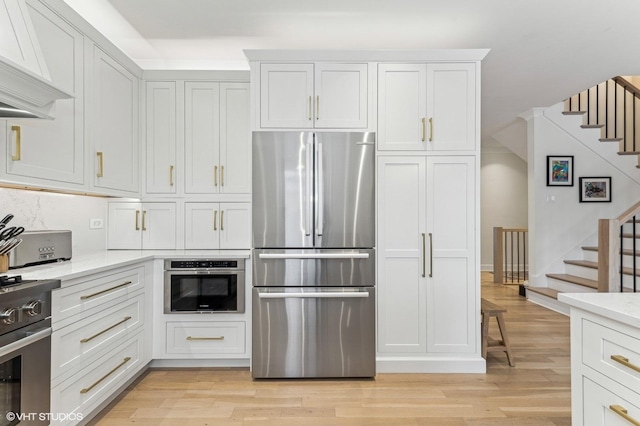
(518, 239)
(621, 256)
(597, 104)
(633, 226)
(606, 109)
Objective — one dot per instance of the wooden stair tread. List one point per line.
(573, 112)
(584, 263)
(592, 126)
(630, 235)
(589, 248)
(545, 291)
(627, 252)
(585, 282)
(628, 152)
(610, 139)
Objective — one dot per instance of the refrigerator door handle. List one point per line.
(313, 255)
(309, 183)
(309, 295)
(319, 192)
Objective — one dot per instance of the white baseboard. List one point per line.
(431, 365)
(548, 302)
(199, 363)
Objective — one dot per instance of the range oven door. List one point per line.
(204, 291)
(313, 332)
(25, 375)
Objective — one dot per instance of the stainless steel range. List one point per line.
(25, 350)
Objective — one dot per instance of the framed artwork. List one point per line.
(595, 189)
(559, 170)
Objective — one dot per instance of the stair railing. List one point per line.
(510, 261)
(613, 106)
(611, 252)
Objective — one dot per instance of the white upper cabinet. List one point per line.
(142, 226)
(314, 95)
(113, 125)
(161, 137)
(217, 226)
(427, 107)
(50, 153)
(217, 138)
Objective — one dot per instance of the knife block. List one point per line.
(4, 262)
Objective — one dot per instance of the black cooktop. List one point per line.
(6, 280)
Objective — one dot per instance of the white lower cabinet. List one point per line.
(428, 280)
(206, 337)
(217, 226)
(142, 226)
(100, 326)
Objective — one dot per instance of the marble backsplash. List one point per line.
(35, 210)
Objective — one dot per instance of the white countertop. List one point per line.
(81, 265)
(622, 307)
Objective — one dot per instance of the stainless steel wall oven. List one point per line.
(204, 286)
(25, 350)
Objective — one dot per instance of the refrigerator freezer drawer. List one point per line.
(313, 332)
(313, 268)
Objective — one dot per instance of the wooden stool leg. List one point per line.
(505, 340)
(485, 334)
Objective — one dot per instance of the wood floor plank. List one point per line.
(534, 393)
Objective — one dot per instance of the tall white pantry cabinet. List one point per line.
(425, 109)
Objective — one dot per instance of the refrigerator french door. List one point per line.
(313, 258)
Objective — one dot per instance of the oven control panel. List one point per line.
(204, 264)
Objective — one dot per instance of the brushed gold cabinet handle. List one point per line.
(16, 156)
(222, 220)
(215, 220)
(100, 163)
(430, 129)
(221, 175)
(430, 254)
(424, 128)
(318, 107)
(170, 175)
(215, 175)
(205, 338)
(622, 412)
(137, 220)
(625, 361)
(89, 296)
(124, 361)
(88, 339)
(424, 255)
(144, 220)
(310, 106)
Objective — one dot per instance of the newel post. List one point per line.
(608, 230)
(498, 255)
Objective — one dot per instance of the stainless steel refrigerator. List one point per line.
(314, 257)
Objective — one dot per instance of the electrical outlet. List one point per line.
(96, 224)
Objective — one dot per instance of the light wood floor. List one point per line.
(534, 392)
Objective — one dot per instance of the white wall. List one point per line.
(558, 229)
(503, 190)
(36, 210)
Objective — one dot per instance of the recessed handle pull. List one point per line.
(622, 412)
(88, 339)
(137, 220)
(215, 175)
(124, 361)
(625, 361)
(430, 254)
(424, 128)
(310, 107)
(18, 152)
(221, 175)
(430, 129)
(89, 296)
(215, 220)
(170, 175)
(144, 220)
(191, 338)
(222, 220)
(100, 164)
(318, 107)
(424, 255)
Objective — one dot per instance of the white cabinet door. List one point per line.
(217, 226)
(452, 283)
(451, 107)
(202, 137)
(341, 95)
(402, 107)
(161, 137)
(235, 139)
(235, 225)
(142, 226)
(401, 255)
(114, 125)
(51, 152)
(202, 226)
(286, 96)
(427, 107)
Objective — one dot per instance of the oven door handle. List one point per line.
(313, 255)
(12, 347)
(309, 295)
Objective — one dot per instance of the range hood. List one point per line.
(26, 89)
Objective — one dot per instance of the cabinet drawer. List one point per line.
(93, 291)
(84, 391)
(599, 404)
(206, 337)
(612, 353)
(74, 346)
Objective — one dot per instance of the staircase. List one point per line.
(613, 107)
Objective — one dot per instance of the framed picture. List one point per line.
(559, 170)
(595, 189)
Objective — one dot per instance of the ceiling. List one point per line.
(541, 51)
